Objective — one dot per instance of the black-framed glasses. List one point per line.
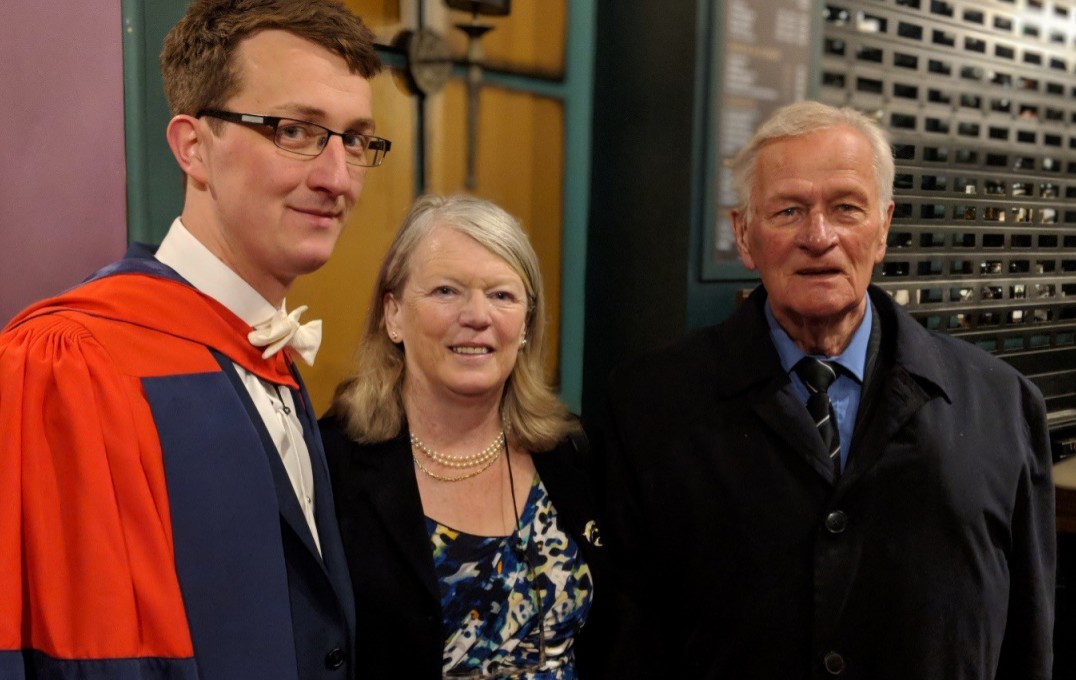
(310, 139)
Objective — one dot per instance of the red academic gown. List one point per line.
(145, 520)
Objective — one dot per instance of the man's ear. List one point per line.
(185, 138)
(739, 227)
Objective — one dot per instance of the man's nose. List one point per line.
(818, 233)
(331, 171)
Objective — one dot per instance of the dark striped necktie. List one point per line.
(818, 376)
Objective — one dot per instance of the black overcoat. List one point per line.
(931, 558)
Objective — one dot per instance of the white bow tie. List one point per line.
(284, 330)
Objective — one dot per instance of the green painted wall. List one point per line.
(154, 182)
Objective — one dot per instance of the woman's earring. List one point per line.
(395, 336)
(523, 342)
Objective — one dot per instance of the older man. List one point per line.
(166, 508)
(819, 487)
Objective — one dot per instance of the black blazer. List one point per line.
(391, 560)
(931, 557)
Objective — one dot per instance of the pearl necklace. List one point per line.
(484, 456)
(483, 460)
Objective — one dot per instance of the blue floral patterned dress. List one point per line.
(488, 596)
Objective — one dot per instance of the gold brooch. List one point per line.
(592, 534)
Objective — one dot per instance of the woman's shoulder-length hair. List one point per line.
(370, 401)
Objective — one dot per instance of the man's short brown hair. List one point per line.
(198, 63)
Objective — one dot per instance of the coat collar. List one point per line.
(907, 344)
(912, 347)
(746, 340)
(913, 372)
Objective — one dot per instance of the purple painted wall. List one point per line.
(62, 172)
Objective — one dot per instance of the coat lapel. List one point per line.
(909, 374)
(290, 511)
(748, 367)
(333, 559)
(896, 402)
(564, 472)
(330, 559)
(388, 473)
(788, 418)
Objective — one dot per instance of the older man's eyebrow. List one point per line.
(785, 197)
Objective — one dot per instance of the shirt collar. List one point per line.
(853, 359)
(184, 253)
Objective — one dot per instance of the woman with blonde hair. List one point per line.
(459, 477)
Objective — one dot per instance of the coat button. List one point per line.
(834, 663)
(836, 522)
(334, 659)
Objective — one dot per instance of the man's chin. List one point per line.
(822, 313)
(819, 304)
(314, 252)
(312, 261)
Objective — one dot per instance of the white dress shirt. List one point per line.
(194, 262)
